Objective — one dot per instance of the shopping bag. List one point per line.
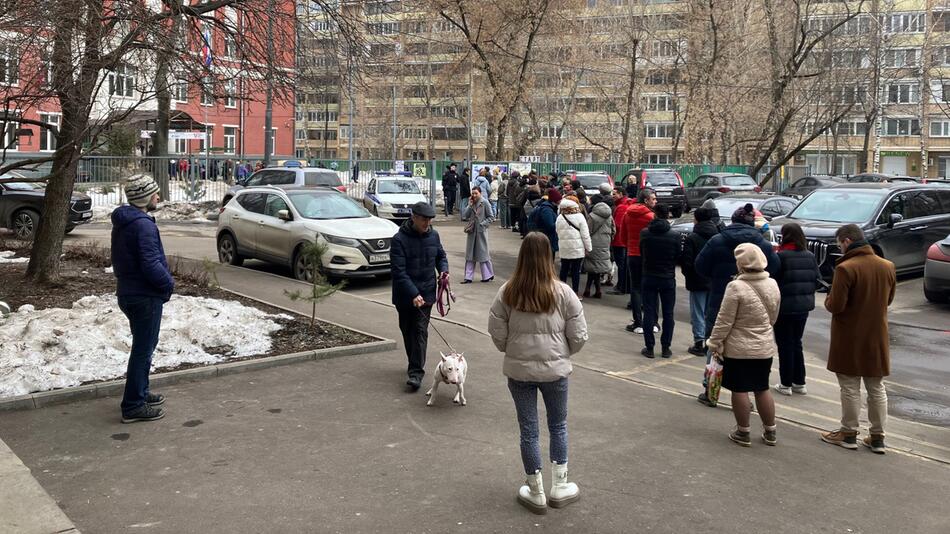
(713, 380)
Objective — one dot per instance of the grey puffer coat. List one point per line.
(602, 230)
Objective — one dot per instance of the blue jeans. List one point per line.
(502, 213)
(463, 205)
(658, 292)
(554, 395)
(145, 320)
(697, 314)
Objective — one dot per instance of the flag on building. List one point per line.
(206, 52)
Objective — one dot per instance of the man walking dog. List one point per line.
(144, 284)
(416, 255)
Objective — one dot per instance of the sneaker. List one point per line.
(784, 390)
(656, 329)
(648, 352)
(769, 437)
(143, 413)
(697, 349)
(667, 353)
(740, 437)
(414, 383)
(635, 328)
(875, 442)
(841, 438)
(799, 390)
(703, 399)
(154, 399)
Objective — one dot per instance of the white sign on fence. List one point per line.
(146, 134)
(529, 159)
(522, 168)
(399, 165)
(200, 136)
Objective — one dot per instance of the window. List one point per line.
(901, 127)
(551, 132)
(940, 129)
(181, 146)
(230, 139)
(659, 103)
(10, 138)
(230, 89)
(180, 90)
(9, 65)
(47, 138)
(659, 131)
(902, 93)
(922, 204)
(252, 202)
(908, 57)
(207, 91)
(273, 204)
(905, 22)
(298, 115)
(659, 159)
(384, 28)
(122, 81)
(301, 134)
(849, 94)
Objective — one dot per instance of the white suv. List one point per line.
(392, 194)
(273, 224)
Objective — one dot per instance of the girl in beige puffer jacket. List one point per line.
(743, 341)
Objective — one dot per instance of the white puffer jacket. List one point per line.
(538, 346)
(573, 235)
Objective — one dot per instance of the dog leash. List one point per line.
(444, 295)
(432, 324)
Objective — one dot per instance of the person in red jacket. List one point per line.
(637, 217)
(618, 249)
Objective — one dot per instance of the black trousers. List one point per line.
(634, 279)
(572, 268)
(619, 255)
(789, 330)
(450, 195)
(514, 216)
(414, 325)
(662, 292)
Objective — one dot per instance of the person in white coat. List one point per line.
(538, 322)
(574, 243)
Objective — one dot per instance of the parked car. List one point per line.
(391, 195)
(937, 272)
(272, 224)
(801, 187)
(290, 175)
(22, 202)
(878, 178)
(771, 206)
(714, 184)
(900, 220)
(591, 180)
(669, 187)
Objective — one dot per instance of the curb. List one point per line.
(115, 387)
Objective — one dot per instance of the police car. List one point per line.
(391, 194)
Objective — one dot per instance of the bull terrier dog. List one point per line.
(451, 370)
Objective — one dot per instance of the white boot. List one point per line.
(562, 491)
(531, 495)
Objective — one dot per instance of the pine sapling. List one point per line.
(320, 287)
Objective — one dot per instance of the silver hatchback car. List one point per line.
(272, 224)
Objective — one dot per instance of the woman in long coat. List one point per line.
(478, 217)
(597, 262)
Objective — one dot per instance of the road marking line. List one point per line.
(886, 381)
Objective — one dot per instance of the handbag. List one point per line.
(713, 381)
(470, 225)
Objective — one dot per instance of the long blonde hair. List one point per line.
(532, 287)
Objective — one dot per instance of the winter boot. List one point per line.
(562, 491)
(531, 495)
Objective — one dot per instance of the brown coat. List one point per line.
(862, 290)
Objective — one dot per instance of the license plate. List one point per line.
(87, 215)
(378, 258)
(404, 211)
(664, 193)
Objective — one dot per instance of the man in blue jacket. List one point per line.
(415, 256)
(717, 263)
(143, 285)
(544, 218)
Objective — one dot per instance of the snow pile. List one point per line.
(56, 348)
(6, 256)
(185, 211)
(108, 197)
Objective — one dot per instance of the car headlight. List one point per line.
(343, 241)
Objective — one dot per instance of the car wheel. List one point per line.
(936, 297)
(227, 251)
(25, 223)
(301, 267)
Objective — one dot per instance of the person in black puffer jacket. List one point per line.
(797, 280)
(660, 249)
(697, 285)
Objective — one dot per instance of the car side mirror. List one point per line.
(894, 219)
(284, 215)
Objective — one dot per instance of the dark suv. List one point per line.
(900, 220)
(667, 183)
(22, 202)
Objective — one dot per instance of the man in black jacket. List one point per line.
(465, 189)
(514, 194)
(416, 256)
(660, 248)
(450, 184)
(697, 285)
